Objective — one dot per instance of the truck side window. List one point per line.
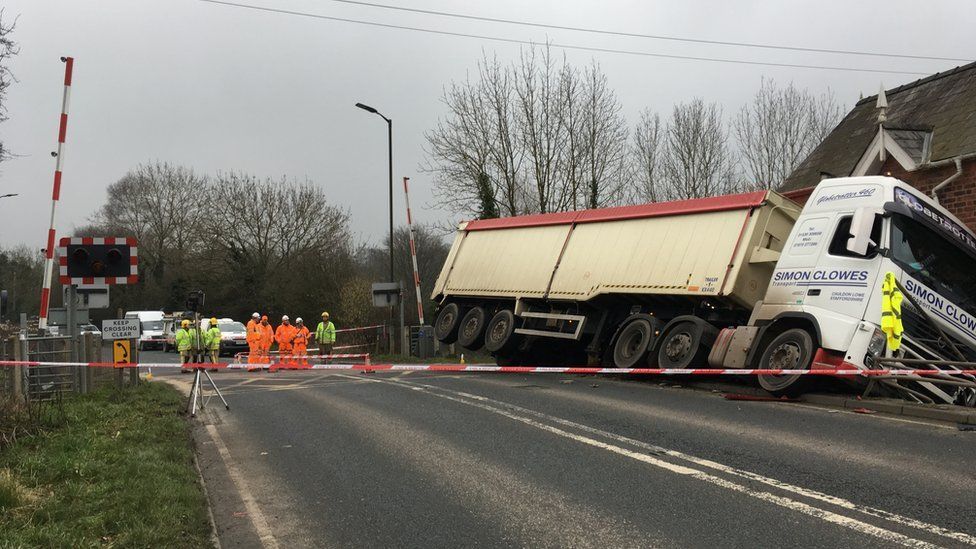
(838, 244)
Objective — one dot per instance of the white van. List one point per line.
(151, 324)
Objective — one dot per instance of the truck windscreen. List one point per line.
(934, 261)
(152, 325)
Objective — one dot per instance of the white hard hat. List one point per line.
(299, 319)
(284, 317)
(255, 315)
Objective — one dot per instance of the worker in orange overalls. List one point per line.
(285, 335)
(267, 338)
(300, 345)
(254, 341)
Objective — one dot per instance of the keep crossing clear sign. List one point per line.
(120, 328)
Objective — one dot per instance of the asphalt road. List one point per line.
(328, 459)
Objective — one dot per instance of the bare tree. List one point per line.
(538, 135)
(646, 154)
(697, 161)
(605, 141)
(8, 49)
(779, 128)
(159, 204)
(541, 121)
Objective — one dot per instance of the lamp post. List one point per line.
(389, 127)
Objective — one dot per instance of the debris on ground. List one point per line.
(864, 411)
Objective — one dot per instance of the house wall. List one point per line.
(959, 197)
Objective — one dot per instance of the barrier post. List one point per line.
(18, 381)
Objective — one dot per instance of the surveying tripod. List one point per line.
(196, 389)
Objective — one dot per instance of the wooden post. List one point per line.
(134, 357)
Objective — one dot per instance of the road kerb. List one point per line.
(938, 412)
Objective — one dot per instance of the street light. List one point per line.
(389, 127)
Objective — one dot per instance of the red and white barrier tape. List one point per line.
(360, 328)
(279, 354)
(505, 369)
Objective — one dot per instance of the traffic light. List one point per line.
(98, 260)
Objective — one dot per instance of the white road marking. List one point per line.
(823, 514)
(250, 504)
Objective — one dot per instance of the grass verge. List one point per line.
(118, 471)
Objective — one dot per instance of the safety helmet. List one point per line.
(213, 321)
(255, 315)
(185, 323)
(284, 317)
(298, 320)
(325, 314)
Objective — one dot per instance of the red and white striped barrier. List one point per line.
(413, 252)
(56, 195)
(360, 328)
(509, 369)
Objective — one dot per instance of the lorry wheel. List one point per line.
(682, 346)
(790, 350)
(447, 323)
(471, 331)
(632, 343)
(500, 332)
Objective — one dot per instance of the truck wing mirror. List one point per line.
(861, 226)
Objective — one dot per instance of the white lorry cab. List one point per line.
(151, 326)
(740, 281)
(828, 278)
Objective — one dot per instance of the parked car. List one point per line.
(90, 329)
(233, 335)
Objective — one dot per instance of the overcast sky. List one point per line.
(219, 88)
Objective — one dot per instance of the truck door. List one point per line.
(842, 283)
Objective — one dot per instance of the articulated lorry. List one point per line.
(741, 281)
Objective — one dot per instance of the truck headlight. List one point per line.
(877, 345)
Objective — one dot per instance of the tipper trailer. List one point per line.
(741, 281)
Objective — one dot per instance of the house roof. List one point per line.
(942, 105)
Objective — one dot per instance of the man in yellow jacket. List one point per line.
(325, 335)
(186, 342)
(211, 340)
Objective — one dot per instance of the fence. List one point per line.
(50, 382)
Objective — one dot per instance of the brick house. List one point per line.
(929, 138)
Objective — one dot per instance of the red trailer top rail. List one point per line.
(657, 209)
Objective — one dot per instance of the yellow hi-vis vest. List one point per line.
(891, 298)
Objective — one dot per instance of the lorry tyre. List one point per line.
(790, 350)
(500, 332)
(684, 344)
(447, 323)
(471, 331)
(632, 343)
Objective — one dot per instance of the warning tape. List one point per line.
(360, 328)
(501, 369)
